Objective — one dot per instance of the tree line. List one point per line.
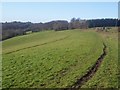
(12, 29)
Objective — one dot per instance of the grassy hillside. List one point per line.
(57, 59)
(30, 40)
(107, 75)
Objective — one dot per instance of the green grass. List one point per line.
(0, 65)
(30, 40)
(107, 75)
(59, 59)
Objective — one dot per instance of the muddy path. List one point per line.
(90, 73)
(37, 45)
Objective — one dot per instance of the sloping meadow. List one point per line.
(49, 59)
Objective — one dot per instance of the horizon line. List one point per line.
(54, 20)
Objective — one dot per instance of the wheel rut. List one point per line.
(37, 45)
(81, 81)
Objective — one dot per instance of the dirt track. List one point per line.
(90, 73)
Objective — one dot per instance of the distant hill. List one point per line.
(12, 29)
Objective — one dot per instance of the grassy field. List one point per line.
(107, 75)
(57, 59)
